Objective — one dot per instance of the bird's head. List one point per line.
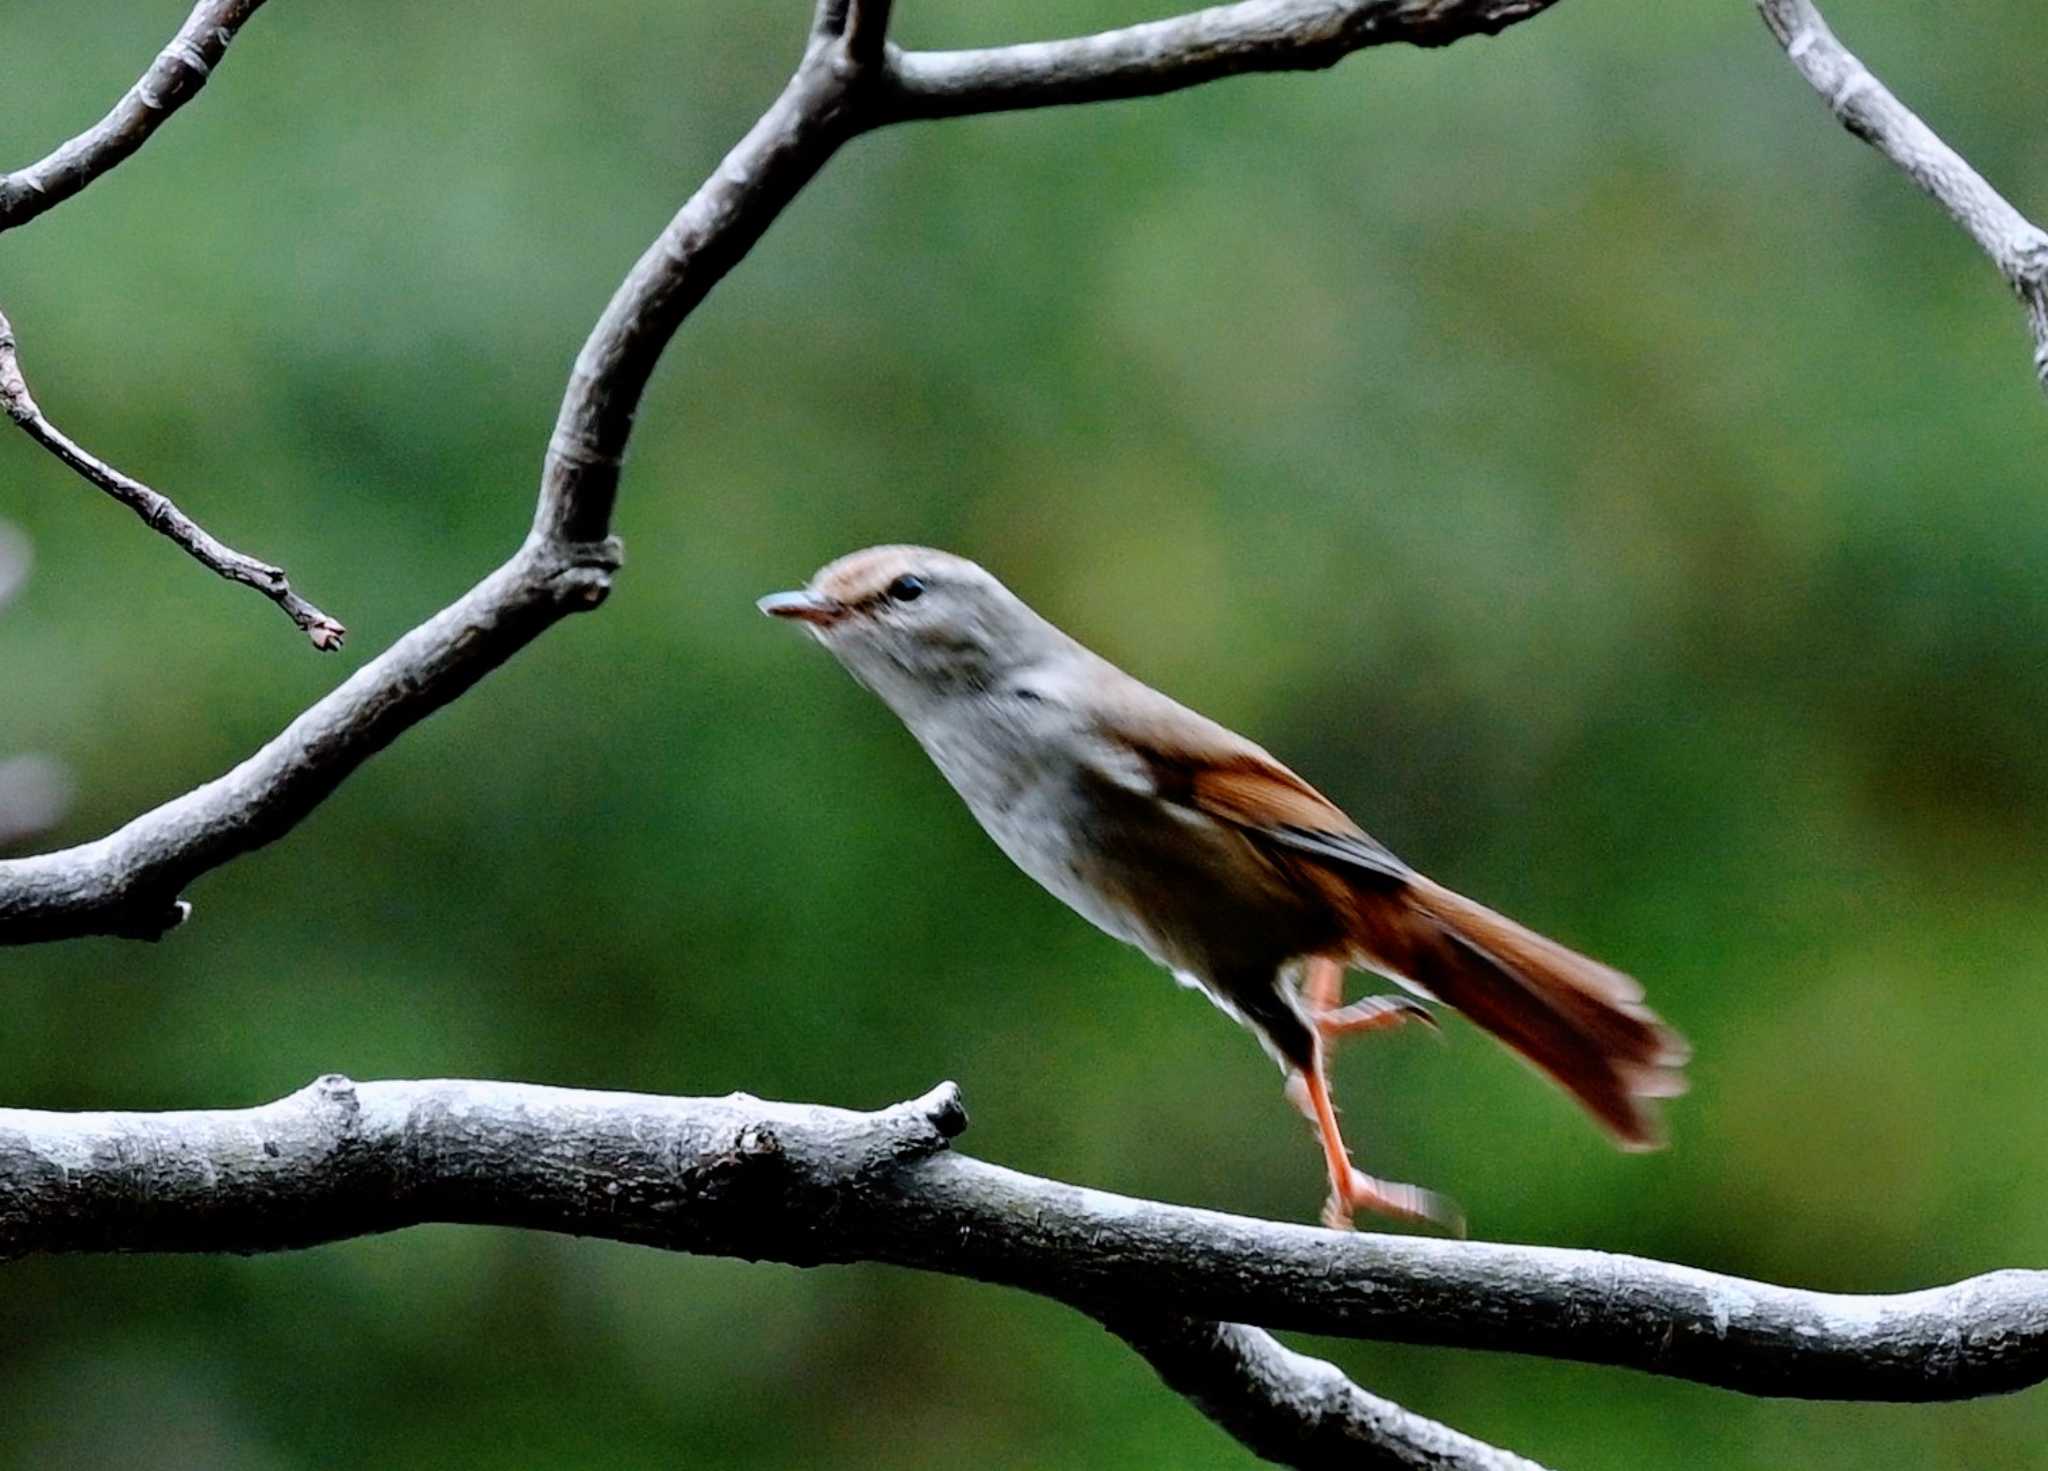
(917, 625)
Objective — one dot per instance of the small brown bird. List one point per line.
(1186, 840)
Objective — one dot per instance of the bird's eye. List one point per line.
(906, 589)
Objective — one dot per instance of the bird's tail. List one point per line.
(1581, 1022)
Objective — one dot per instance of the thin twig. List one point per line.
(1863, 105)
(1182, 51)
(171, 81)
(158, 511)
(805, 1184)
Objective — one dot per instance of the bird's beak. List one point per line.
(804, 607)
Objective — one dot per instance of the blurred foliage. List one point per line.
(1571, 450)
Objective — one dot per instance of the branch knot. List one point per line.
(582, 577)
(336, 1091)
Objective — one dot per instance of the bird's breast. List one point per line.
(1027, 794)
(1188, 891)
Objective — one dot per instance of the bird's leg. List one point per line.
(1322, 994)
(1322, 991)
(1322, 985)
(1351, 1189)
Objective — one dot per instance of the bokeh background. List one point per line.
(1571, 450)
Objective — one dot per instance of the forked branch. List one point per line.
(849, 81)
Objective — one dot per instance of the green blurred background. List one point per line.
(1571, 450)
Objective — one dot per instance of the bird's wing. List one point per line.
(1194, 762)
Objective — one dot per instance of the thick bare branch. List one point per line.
(1295, 1410)
(172, 80)
(291, 1170)
(128, 883)
(803, 1184)
(158, 512)
(1184, 51)
(2016, 245)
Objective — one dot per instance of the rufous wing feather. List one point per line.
(1196, 762)
(1579, 1021)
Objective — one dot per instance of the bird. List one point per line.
(1178, 836)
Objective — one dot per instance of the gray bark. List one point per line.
(1182, 51)
(806, 1185)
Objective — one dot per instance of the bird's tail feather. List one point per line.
(1577, 1020)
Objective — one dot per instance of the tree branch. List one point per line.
(1863, 105)
(128, 883)
(1294, 1410)
(172, 80)
(336, 1160)
(158, 512)
(1184, 51)
(806, 1185)
(867, 30)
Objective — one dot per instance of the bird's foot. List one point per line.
(1322, 1004)
(1373, 1014)
(1361, 1192)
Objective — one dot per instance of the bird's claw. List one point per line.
(1392, 1199)
(1374, 1014)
